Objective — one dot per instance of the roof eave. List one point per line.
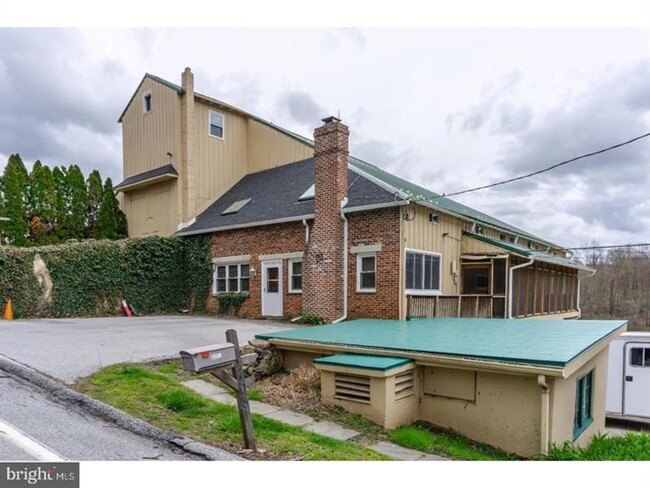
(147, 182)
(244, 226)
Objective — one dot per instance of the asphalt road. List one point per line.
(35, 427)
(67, 349)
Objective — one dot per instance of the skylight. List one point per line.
(236, 207)
(308, 195)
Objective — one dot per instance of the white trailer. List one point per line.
(628, 382)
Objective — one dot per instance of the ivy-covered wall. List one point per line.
(154, 274)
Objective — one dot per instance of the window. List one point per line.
(236, 207)
(582, 416)
(231, 278)
(216, 122)
(640, 357)
(433, 218)
(366, 272)
(146, 103)
(476, 279)
(423, 271)
(502, 237)
(478, 230)
(295, 275)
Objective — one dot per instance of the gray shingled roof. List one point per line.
(168, 169)
(274, 195)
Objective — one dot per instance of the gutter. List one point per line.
(545, 427)
(345, 264)
(510, 278)
(593, 272)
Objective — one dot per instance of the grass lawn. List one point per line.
(156, 395)
(633, 446)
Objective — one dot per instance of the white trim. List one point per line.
(360, 256)
(284, 255)
(28, 445)
(365, 248)
(375, 206)
(244, 226)
(290, 275)
(241, 259)
(418, 292)
(183, 225)
(144, 104)
(223, 127)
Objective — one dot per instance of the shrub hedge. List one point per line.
(154, 274)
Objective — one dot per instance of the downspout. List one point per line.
(304, 222)
(510, 278)
(546, 413)
(593, 272)
(345, 264)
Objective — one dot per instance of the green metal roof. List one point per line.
(381, 363)
(533, 342)
(529, 253)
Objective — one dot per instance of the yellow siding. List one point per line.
(420, 234)
(473, 246)
(147, 138)
(268, 148)
(152, 210)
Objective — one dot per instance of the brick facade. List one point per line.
(370, 228)
(323, 264)
(256, 241)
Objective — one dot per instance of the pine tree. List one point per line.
(95, 192)
(78, 199)
(41, 203)
(107, 218)
(15, 187)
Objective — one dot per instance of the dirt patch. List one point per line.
(298, 390)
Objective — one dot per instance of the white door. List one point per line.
(636, 400)
(272, 288)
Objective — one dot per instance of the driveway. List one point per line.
(68, 349)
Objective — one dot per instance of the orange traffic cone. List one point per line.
(9, 311)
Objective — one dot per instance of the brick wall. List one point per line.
(368, 228)
(323, 264)
(256, 241)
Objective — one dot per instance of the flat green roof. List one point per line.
(381, 363)
(537, 342)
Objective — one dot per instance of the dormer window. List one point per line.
(216, 124)
(146, 102)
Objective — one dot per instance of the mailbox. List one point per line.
(207, 358)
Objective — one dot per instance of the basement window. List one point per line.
(216, 122)
(146, 103)
(582, 416)
(236, 207)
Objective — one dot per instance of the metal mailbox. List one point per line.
(210, 357)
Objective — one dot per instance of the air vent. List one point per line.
(352, 388)
(433, 218)
(404, 385)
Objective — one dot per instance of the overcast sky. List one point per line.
(447, 108)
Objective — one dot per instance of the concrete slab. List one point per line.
(71, 348)
(396, 452)
(262, 408)
(433, 457)
(291, 418)
(204, 388)
(329, 429)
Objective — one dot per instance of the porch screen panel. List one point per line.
(539, 290)
(518, 285)
(499, 270)
(530, 297)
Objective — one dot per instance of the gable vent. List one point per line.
(404, 385)
(351, 387)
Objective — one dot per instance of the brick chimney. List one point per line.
(322, 293)
(187, 170)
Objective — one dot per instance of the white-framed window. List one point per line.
(147, 105)
(423, 272)
(295, 276)
(230, 278)
(366, 272)
(216, 124)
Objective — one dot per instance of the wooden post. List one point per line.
(242, 395)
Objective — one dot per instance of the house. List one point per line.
(302, 228)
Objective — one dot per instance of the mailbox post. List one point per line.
(216, 359)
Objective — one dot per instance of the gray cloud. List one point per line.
(301, 108)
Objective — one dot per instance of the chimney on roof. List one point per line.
(187, 173)
(323, 273)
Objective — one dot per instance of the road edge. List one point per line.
(112, 414)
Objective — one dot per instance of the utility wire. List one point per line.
(606, 247)
(491, 185)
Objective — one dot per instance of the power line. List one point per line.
(606, 247)
(491, 185)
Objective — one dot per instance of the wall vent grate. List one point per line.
(352, 387)
(404, 385)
